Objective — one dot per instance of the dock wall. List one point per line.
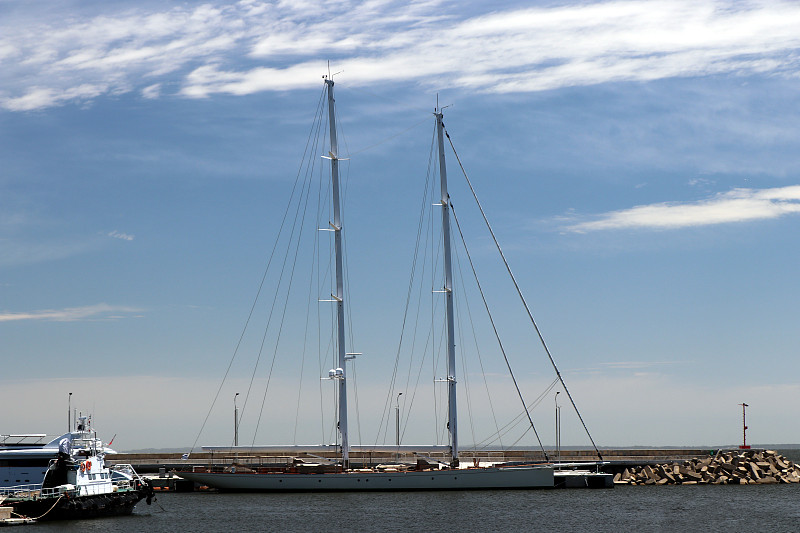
(618, 459)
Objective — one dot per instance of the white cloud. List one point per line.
(70, 314)
(203, 48)
(738, 205)
(152, 91)
(122, 236)
(35, 98)
(40, 97)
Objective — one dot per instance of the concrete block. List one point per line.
(693, 476)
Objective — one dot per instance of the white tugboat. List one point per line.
(77, 482)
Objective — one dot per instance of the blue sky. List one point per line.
(637, 159)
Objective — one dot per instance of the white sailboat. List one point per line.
(342, 478)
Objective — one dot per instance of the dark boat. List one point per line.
(78, 483)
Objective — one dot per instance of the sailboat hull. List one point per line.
(512, 477)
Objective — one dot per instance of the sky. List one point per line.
(637, 160)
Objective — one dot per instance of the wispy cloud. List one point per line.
(636, 365)
(152, 91)
(17, 252)
(70, 314)
(738, 205)
(251, 46)
(122, 236)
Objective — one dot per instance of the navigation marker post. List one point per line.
(744, 445)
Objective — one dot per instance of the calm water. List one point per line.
(747, 508)
(771, 508)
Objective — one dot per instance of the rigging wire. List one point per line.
(302, 201)
(330, 349)
(466, 388)
(494, 327)
(286, 302)
(519, 418)
(438, 346)
(345, 181)
(330, 277)
(522, 298)
(385, 418)
(260, 287)
(310, 298)
(477, 352)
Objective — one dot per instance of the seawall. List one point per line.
(617, 459)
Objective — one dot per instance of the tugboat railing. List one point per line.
(20, 489)
(127, 470)
(35, 491)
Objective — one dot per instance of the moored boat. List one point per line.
(370, 479)
(447, 474)
(77, 482)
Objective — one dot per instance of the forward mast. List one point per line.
(340, 373)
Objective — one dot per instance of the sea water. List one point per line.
(728, 508)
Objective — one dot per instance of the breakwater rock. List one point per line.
(740, 467)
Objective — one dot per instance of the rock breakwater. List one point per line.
(739, 467)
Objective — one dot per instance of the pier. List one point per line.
(163, 469)
(616, 458)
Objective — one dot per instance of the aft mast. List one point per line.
(341, 370)
(452, 417)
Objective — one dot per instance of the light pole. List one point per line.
(69, 413)
(397, 421)
(235, 421)
(558, 427)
